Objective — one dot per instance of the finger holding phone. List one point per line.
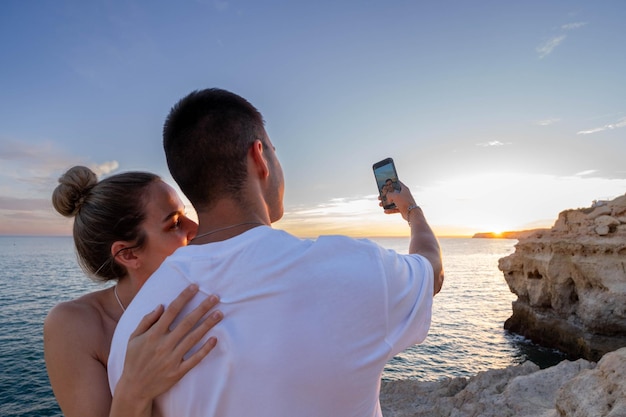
(402, 201)
(394, 196)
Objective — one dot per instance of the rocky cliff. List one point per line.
(571, 282)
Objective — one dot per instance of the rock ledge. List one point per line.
(569, 389)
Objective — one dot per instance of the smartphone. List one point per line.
(386, 180)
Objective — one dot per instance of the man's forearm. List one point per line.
(424, 242)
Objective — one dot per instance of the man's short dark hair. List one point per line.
(206, 138)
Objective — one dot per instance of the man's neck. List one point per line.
(225, 220)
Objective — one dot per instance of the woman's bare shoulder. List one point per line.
(83, 315)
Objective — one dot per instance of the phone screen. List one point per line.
(386, 180)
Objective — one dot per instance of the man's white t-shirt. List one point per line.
(308, 324)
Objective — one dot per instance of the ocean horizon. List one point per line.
(466, 336)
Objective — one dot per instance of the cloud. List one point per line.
(40, 157)
(355, 216)
(547, 48)
(24, 204)
(31, 170)
(572, 26)
(31, 216)
(339, 207)
(28, 174)
(105, 168)
(583, 173)
(547, 122)
(611, 126)
(492, 143)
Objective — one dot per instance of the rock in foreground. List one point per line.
(569, 389)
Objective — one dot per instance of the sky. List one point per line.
(498, 114)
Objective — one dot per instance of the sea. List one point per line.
(466, 336)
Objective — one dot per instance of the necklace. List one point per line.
(117, 297)
(225, 228)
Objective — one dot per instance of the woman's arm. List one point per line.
(74, 342)
(73, 338)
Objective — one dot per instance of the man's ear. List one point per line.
(123, 253)
(258, 158)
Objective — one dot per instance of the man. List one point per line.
(309, 325)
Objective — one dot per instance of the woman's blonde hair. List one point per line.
(104, 212)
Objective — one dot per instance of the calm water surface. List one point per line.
(466, 335)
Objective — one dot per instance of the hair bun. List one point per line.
(73, 188)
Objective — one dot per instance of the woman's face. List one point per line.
(166, 226)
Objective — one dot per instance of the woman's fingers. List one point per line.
(176, 306)
(194, 317)
(190, 339)
(148, 321)
(193, 360)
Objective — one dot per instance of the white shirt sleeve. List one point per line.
(409, 280)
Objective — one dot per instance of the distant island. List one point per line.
(506, 235)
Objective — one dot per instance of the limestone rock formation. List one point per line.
(571, 282)
(569, 389)
(596, 392)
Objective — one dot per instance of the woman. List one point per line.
(124, 227)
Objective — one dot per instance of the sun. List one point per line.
(498, 230)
